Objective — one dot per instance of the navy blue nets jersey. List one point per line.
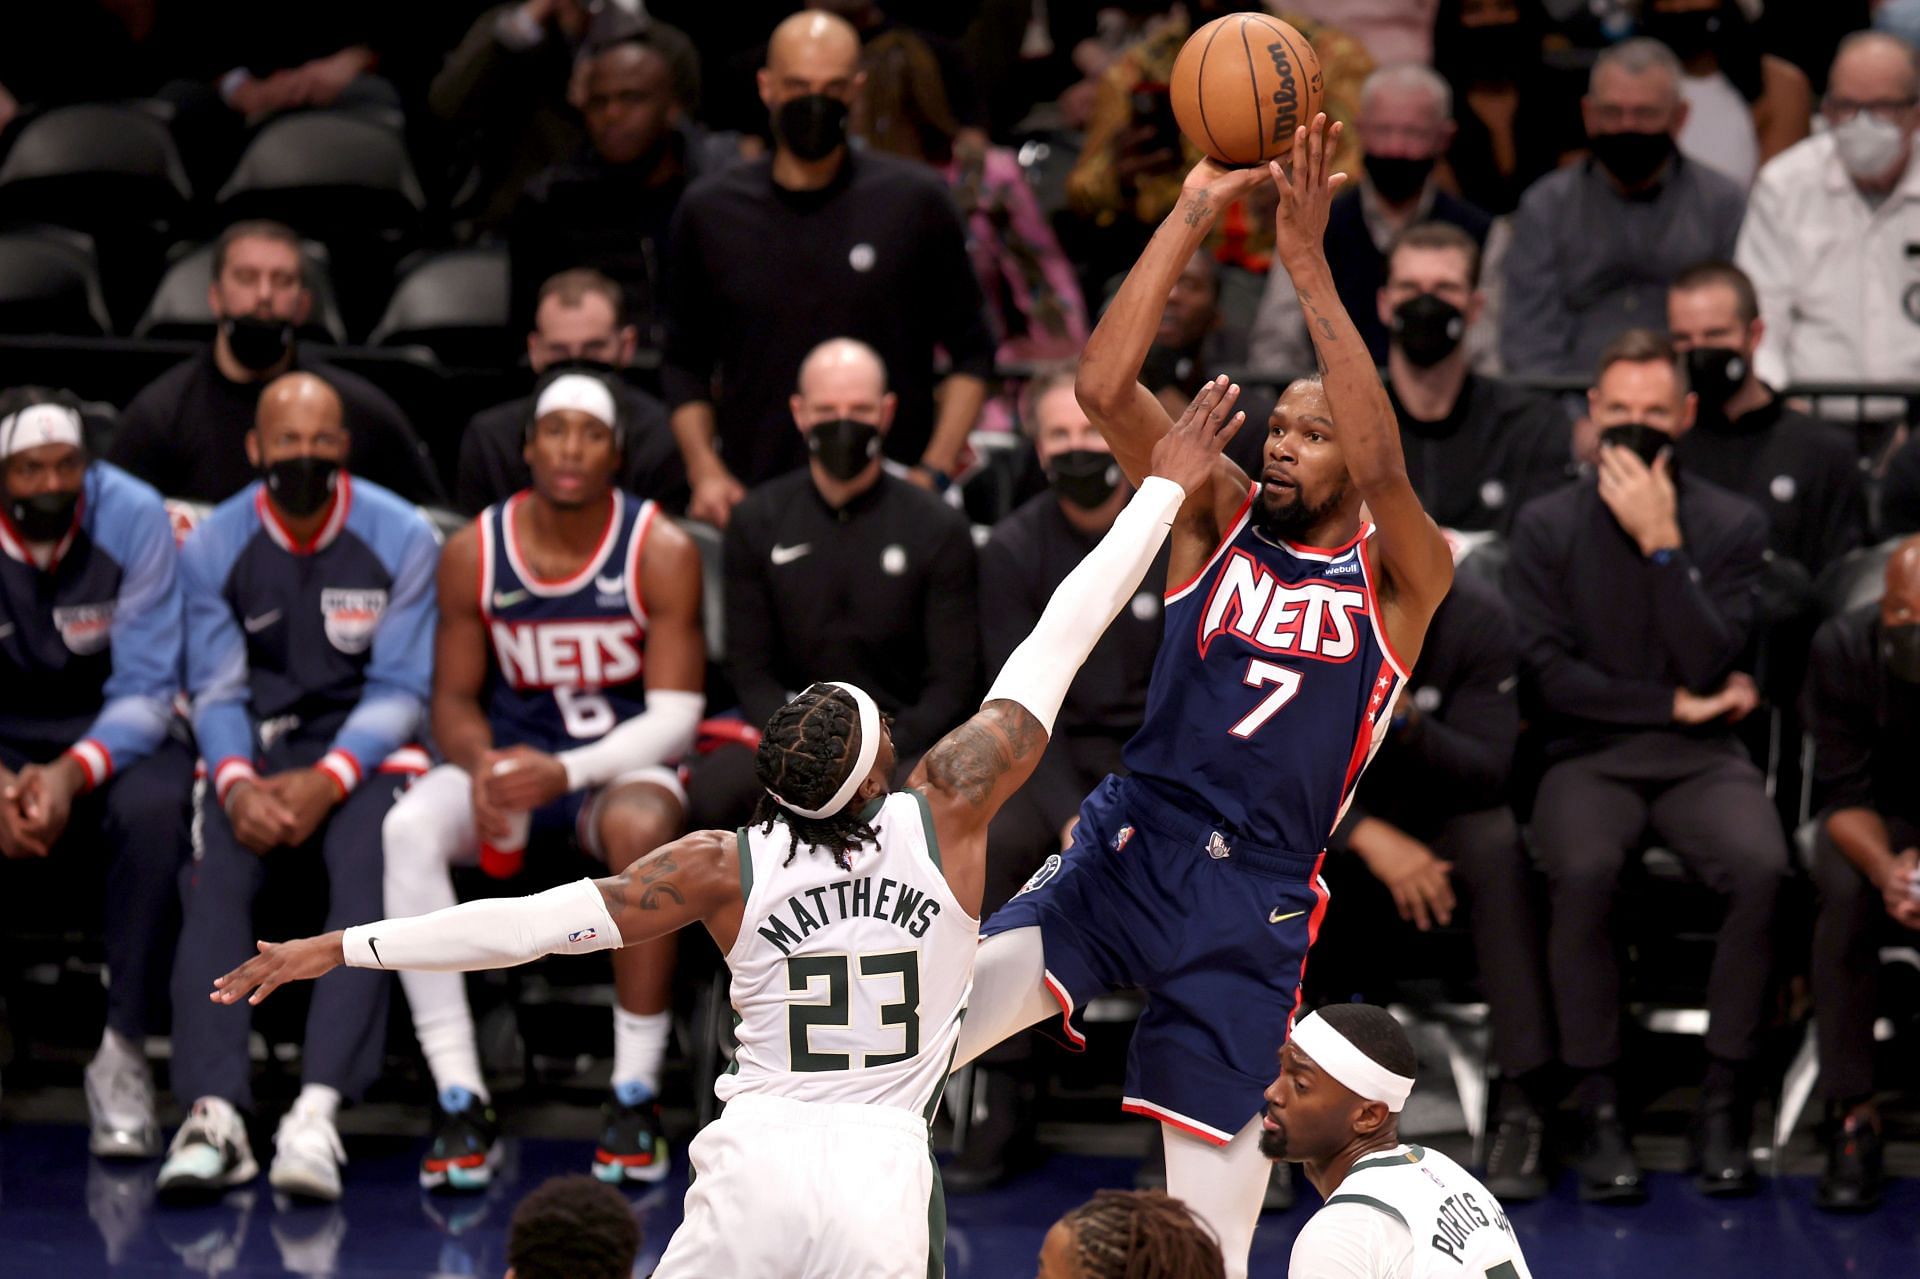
(566, 657)
(1272, 690)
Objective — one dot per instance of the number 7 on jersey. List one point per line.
(1286, 683)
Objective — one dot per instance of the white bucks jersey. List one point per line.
(1459, 1230)
(849, 985)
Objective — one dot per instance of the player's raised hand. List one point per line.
(1306, 190)
(1219, 185)
(1186, 454)
(279, 963)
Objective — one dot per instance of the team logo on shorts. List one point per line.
(1120, 840)
(1048, 869)
(85, 628)
(352, 617)
(1217, 846)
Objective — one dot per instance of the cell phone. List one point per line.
(1153, 107)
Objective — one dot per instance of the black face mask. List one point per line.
(1428, 328)
(843, 446)
(1715, 372)
(812, 126)
(1398, 178)
(301, 485)
(1900, 650)
(1688, 34)
(1632, 157)
(1084, 477)
(1645, 442)
(258, 344)
(44, 517)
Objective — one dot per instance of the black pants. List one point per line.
(1363, 944)
(1707, 802)
(1852, 926)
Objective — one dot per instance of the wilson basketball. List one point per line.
(1242, 84)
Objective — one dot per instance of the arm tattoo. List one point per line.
(970, 761)
(652, 874)
(1199, 211)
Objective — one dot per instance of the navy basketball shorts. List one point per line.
(1213, 929)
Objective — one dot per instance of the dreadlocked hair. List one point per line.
(1142, 1234)
(805, 752)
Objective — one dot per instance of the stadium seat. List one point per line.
(713, 605)
(50, 283)
(327, 172)
(455, 304)
(1857, 578)
(179, 309)
(82, 166)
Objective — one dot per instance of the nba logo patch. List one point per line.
(1120, 840)
(585, 934)
(1048, 869)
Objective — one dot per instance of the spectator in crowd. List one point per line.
(1744, 106)
(1515, 116)
(610, 207)
(1432, 811)
(1595, 244)
(580, 322)
(1395, 32)
(505, 89)
(90, 659)
(1033, 298)
(1405, 124)
(1131, 1234)
(841, 570)
(1030, 553)
(1863, 707)
(1801, 471)
(772, 258)
(1196, 334)
(1827, 237)
(1477, 448)
(564, 692)
(572, 1228)
(309, 624)
(1634, 596)
(1900, 491)
(183, 433)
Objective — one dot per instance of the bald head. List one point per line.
(842, 378)
(1903, 572)
(813, 56)
(812, 38)
(1874, 60)
(299, 415)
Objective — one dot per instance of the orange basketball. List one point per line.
(1242, 84)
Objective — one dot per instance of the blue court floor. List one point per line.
(66, 1216)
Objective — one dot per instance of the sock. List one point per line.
(639, 1046)
(452, 1058)
(115, 1044)
(1597, 1088)
(319, 1100)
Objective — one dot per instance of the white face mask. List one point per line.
(1868, 146)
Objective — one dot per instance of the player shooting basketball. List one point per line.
(847, 916)
(1291, 624)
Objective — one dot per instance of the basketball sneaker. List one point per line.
(120, 1106)
(307, 1156)
(633, 1145)
(210, 1152)
(465, 1149)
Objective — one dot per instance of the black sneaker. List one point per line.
(1608, 1173)
(466, 1144)
(1854, 1177)
(1516, 1156)
(1723, 1166)
(633, 1144)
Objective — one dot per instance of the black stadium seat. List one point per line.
(454, 304)
(179, 310)
(50, 283)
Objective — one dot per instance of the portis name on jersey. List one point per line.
(891, 902)
(571, 654)
(1313, 619)
(1459, 1216)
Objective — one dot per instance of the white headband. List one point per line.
(862, 765)
(39, 424)
(578, 391)
(1335, 1054)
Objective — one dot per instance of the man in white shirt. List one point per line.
(1393, 1210)
(1832, 234)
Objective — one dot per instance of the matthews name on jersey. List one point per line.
(567, 657)
(90, 643)
(327, 642)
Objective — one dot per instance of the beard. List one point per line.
(1273, 1143)
(1292, 517)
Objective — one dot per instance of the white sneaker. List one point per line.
(120, 1102)
(209, 1153)
(307, 1156)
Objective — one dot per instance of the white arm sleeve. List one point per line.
(664, 731)
(1351, 1241)
(497, 933)
(1082, 607)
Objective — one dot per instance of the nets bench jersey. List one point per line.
(90, 645)
(850, 985)
(1459, 1229)
(1272, 689)
(566, 658)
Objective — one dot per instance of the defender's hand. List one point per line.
(279, 963)
(1186, 454)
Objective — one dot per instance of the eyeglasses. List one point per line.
(1841, 110)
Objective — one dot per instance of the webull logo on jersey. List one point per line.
(352, 616)
(1320, 620)
(84, 628)
(590, 653)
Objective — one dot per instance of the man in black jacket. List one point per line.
(1804, 473)
(1635, 596)
(580, 319)
(1863, 707)
(183, 432)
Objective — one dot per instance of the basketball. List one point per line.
(1242, 84)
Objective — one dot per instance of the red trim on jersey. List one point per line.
(564, 585)
(1233, 531)
(1400, 666)
(1059, 992)
(484, 569)
(1173, 1119)
(339, 504)
(636, 561)
(1301, 548)
(1363, 739)
(1321, 898)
